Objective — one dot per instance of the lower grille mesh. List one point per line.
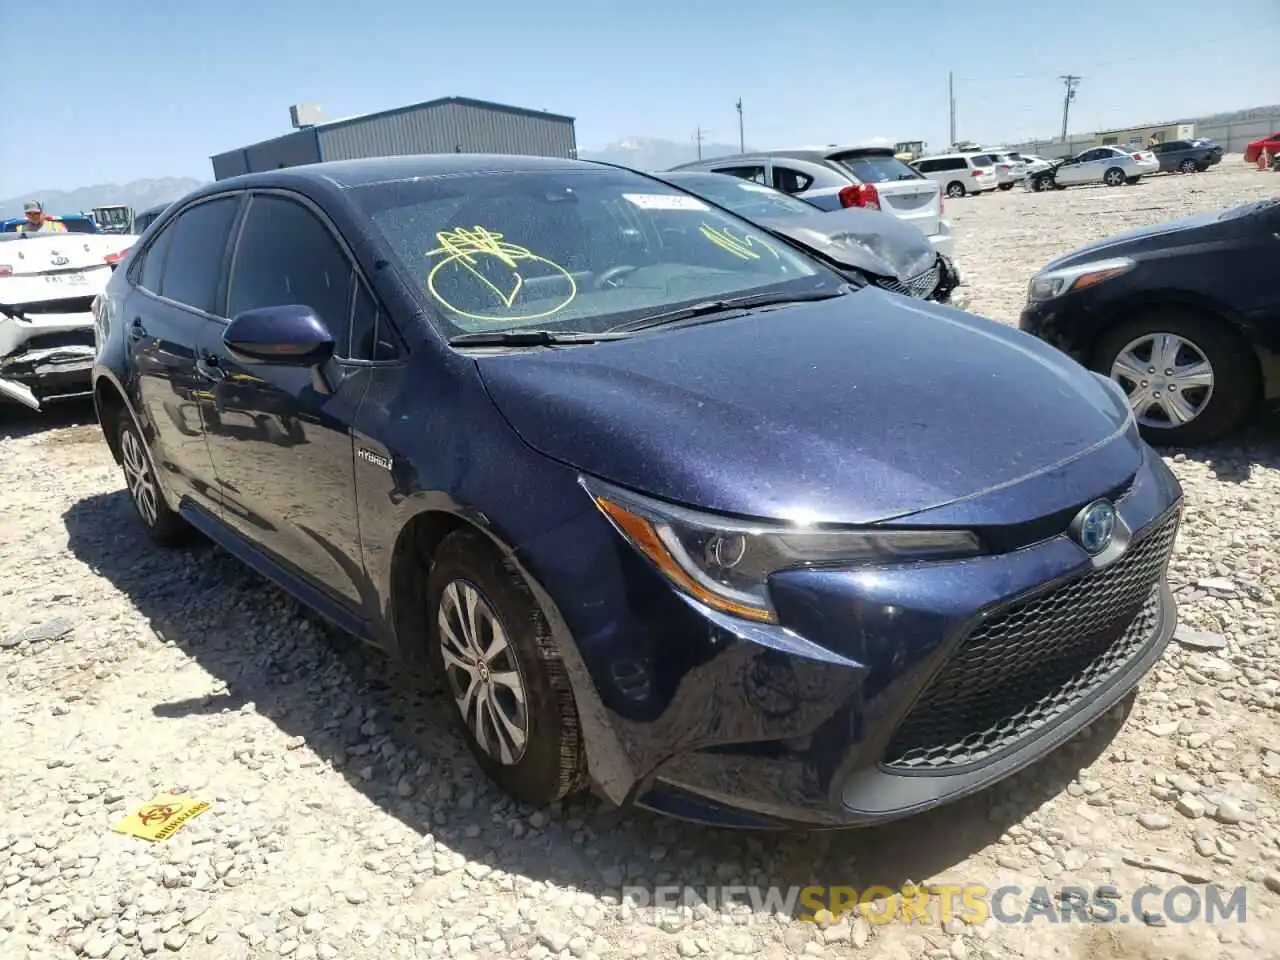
(919, 286)
(1028, 664)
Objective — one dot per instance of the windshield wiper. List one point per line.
(526, 338)
(709, 307)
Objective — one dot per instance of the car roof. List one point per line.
(371, 170)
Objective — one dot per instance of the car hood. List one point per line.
(1160, 234)
(854, 410)
(866, 240)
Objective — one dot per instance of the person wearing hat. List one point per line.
(37, 222)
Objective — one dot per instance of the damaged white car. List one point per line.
(48, 283)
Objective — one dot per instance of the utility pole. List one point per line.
(951, 97)
(698, 136)
(742, 143)
(1071, 81)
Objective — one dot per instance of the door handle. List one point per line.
(207, 367)
(136, 330)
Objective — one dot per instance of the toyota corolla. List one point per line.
(675, 512)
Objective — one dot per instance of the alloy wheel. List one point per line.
(1168, 378)
(483, 673)
(138, 477)
(1114, 178)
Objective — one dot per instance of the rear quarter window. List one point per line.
(875, 168)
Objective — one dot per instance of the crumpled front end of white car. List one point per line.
(47, 287)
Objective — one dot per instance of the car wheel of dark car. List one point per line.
(1041, 184)
(494, 648)
(1114, 177)
(163, 525)
(1006, 186)
(955, 189)
(1189, 379)
(1187, 166)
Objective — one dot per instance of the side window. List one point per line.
(152, 271)
(285, 255)
(926, 166)
(957, 163)
(198, 241)
(745, 173)
(371, 336)
(790, 181)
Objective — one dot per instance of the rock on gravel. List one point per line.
(348, 821)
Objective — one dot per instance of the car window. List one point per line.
(286, 255)
(371, 335)
(571, 250)
(152, 271)
(194, 262)
(745, 173)
(981, 160)
(926, 166)
(874, 167)
(747, 199)
(790, 181)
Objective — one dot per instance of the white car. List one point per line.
(959, 174)
(1010, 170)
(1033, 163)
(1110, 165)
(48, 282)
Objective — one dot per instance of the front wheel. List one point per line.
(1189, 378)
(1187, 166)
(1006, 186)
(493, 644)
(163, 525)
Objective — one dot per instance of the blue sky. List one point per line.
(118, 91)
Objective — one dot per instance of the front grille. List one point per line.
(1031, 662)
(65, 305)
(919, 286)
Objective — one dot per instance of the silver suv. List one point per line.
(840, 177)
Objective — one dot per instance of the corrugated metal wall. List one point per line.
(291, 150)
(446, 128)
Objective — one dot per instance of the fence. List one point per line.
(1232, 134)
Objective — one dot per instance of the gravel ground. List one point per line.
(347, 820)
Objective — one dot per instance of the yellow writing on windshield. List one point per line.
(740, 246)
(479, 261)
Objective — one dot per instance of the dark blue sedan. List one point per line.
(676, 512)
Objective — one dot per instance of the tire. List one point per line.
(1114, 177)
(1187, 166)
(1006, 186)
(163, 525)
(955, 190)
(1235, 382)
(549, 764)
(1041, 184)
(1133, 181)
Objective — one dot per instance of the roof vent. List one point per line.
(305, 115)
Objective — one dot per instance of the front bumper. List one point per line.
(882, 693)
(47, 358)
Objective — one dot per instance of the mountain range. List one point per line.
(139, 194)
(642, 153)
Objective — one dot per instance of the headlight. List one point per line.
(726, 563)
(1054, 283)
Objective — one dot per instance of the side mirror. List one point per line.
(290, 335)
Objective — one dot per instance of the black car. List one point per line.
(1184, 315)
(867, 246)
(1187, 156)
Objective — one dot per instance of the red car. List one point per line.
(1271, 144)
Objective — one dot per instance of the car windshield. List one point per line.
(876, 167)
(751, 200)
(573, 251)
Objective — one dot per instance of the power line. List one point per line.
(1163, 55)
(1071, 81)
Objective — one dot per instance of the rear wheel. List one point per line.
(493, 645)
(955, 190)
(1189, 378)
(163, 525)
(1114, 177)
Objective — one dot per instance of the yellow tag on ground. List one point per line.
(162, 817)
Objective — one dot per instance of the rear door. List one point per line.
(283, 450)
(168, 314)
(904, 191)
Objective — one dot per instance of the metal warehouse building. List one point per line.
(447, 125)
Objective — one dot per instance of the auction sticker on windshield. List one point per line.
(665, 201)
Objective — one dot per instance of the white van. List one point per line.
(959, 174)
